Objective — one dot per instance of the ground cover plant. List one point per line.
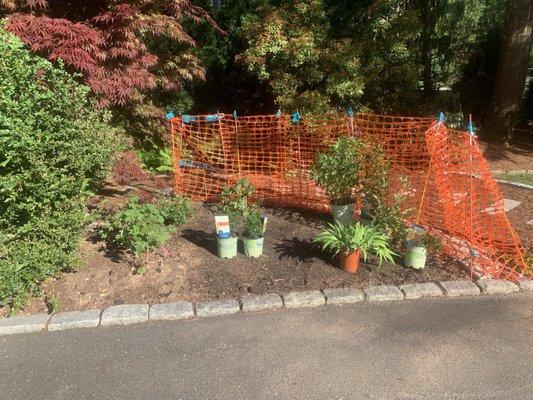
(56, 148)
(141, 227)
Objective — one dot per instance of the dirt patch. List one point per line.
(187, 268)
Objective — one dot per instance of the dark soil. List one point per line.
(187, 268)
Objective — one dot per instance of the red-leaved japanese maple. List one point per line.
(108, 41)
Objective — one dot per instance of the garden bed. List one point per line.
(187, 268)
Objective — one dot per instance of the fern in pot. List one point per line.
(353, 240)
(339, 170)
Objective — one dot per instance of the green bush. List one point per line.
(55, 148)
(339, 169)
(175, 209)
(138, 228)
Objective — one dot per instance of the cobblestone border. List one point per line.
(128, 314)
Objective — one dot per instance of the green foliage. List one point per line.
(156, 158)
(288, 46)
(253, 223)
(234, 201)
(339, 238)
(56, 148)
(137, 228)
(389, 214)
(339, 169)
(431, 243)
(174, 209)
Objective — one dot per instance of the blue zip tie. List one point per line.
(187, 119)
(349, 112)
(278, 114)
(169, 115)
(235, 114)
(441, 117)
(295, 117)
(212, 118)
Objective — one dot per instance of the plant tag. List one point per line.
(264, 224)
(222, 226)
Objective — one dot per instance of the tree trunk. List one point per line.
(427, 31)
(512, 72)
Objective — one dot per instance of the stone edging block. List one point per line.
(125, 314)
(308, 298)
(421, 290)
(74, 319)
(261, 302)
(383, 293)
(171, 311)
(346, 295)
(23, 324)
(496, 286)
(217, 307)
(460, 288)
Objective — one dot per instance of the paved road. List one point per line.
(474, 348)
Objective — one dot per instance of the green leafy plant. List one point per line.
(137, 228)
(174, 209)
(155, 158)
(388, 213)
(253, 224)
(339, 169)
(338, 238)
(56, 148)
(424, 239)
(234, 201)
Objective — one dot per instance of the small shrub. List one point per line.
(137, 228)
(141, 227)
(234, 201)
(175, 209)
(339, 169)
(127, 169)
(253, 223)
(56, 147)
(156, 158)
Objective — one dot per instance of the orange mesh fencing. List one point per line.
(449, 182)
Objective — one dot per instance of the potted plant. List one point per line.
(233, 205)
(254, 232)
(353, 240)
(418, 243)
(338, 171)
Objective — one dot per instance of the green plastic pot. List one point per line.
(343, 214)
(253, 247)
(415, 257)
(227, 248)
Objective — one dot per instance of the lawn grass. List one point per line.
(519, 177)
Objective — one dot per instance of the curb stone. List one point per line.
(125, 314)
(526, 284)
(421, 290)
(496, 286)
(460, 288)
(23, 324)
(74, 319)
(308, 298)
(171, 311)
(383, 293)
(346, 295)
(261, 302)
(217, 307)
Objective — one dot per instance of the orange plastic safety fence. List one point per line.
(442, 172)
